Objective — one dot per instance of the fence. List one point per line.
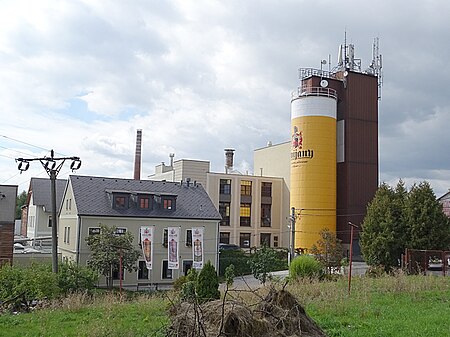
(427, 262)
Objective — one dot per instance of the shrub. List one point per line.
(263, 262)
(207, 284)
(305, 266)
(179, 282)
(73, 278)
(20, 286)
(188, 289)
(236, 257)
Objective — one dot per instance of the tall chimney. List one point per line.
(229, 154)
(137, 156)
(171, 155)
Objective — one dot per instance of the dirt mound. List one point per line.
(278, 315)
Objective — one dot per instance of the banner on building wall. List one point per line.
(173, 246)
(147, 245)
(197, 247)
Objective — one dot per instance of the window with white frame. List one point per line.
(166, 272)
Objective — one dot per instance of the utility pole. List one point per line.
(52, 166)
(292, 233)
(352, 225)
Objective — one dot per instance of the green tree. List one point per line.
(263, 262)
(106, 249)
(20, 201)
(207, 284)
(429, 228)
(384, 230)
(328, 250)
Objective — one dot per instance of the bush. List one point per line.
(236, 257)
(305, 266)
(73, 278)
(207, 284)
(20, 286)
(264, 261)
(188, 289)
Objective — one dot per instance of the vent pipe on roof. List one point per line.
(171, 155)
(137, 156)
(229, 154)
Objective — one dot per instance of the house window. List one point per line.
(168, 204)
(144, 202)
(246, 187)
(224, 210)
(166, 272)
(186, 266)
(165, 237)
(225, 186)
(245, 212)
(116, 275)
(264, 239)
(65, 234)
(93, 230)
(142, 271)
(50, 221)
(120, 231)
(189, 238)
(266, 189)
(68, 235)
(275, 241)
(224, 237)
(244, 240)
(266, 215)
(120, 202)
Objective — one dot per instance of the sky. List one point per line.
(81, 76)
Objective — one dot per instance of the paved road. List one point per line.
(248, 281)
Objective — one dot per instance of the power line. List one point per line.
(29, 144)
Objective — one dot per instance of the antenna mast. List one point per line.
(377, 64)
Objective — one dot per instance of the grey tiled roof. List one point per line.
(41, 189)
(93, 197)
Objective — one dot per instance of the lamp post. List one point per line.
(352, 225)
(292, 233)
(52, 166)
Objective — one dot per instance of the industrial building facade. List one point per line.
(333, 150)
(254, 209)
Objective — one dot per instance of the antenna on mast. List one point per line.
(376, 65)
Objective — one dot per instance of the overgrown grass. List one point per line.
(387, 306)
(102, 315)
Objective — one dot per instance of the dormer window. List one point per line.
(168, 203)
(120, 201)
(145, 202)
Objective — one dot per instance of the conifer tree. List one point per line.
(208, 284)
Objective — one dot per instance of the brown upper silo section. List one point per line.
(137, 156)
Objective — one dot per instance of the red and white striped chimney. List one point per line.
(137, 156)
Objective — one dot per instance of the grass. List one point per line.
(105, 315)
(388, 306)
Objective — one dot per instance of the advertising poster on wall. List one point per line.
(147, 245)
(173, 245)
(197, 247)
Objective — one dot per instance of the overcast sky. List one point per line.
(80, 77)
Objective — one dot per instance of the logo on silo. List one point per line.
(297, 139)
(297, 147)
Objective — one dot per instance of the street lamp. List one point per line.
(52, 166)
(352, 225)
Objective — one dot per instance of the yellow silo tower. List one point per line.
(313, 162)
